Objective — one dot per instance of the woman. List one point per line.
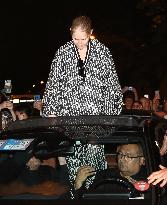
(83, 81)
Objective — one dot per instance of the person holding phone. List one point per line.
(130, 89)
(7, 114)
(37, 105)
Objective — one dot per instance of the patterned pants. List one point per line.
(86, 154)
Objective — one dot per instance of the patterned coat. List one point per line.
(68, 94)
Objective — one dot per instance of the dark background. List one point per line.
(135, 31)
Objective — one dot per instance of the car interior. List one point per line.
(126, 130)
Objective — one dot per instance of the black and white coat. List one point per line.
(68, 94)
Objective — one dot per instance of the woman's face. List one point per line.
(21, 115)
(80, 38)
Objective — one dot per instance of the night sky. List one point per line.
(31, 31)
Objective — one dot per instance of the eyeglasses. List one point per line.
(125, 156)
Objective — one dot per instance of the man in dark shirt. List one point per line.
(130, 161)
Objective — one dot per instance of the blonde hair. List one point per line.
(84, 22)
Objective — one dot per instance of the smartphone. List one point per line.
(37, 97)
(8, 86)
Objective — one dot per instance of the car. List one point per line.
(55, 136)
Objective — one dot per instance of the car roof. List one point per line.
(91, 120)
(102, 128)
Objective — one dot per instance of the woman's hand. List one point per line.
(158, 177)
(82, 174)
